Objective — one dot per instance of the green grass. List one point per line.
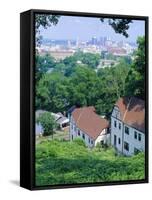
(61, 162)
(59, 135)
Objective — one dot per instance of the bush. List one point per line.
(59, 162)
(79, 141)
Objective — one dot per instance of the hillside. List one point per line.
(61, 162)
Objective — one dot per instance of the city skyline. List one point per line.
(84, 28)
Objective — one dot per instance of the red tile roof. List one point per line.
(88, 121)
(132, 112)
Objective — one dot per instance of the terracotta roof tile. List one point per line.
(132, 112)
(88, 121)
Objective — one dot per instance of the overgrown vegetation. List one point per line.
(71, 83)
(60, 162)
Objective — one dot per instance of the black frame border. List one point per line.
(27, 150)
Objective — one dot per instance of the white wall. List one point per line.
(134, 143)
(74, 134)
(120, 133)
(101, 137)
(9, 101)
(116, 131)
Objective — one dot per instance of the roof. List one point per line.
(62, 120)
(59, 117)
(132, 112)
(88, 121)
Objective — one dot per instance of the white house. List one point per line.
(86, 124)
(60, 119)
(128, 125)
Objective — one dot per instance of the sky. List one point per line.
(84, 28)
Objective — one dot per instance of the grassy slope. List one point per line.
(69, 162)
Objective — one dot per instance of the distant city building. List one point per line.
(116, 51)
(59, 54)
(94, 41)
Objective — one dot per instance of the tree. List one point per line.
(90, 59)
(135, 81)
(119, 25)
(45, 21)
(83, 83)
(51, 92)
(48, 123)
(111, 86)
(43, 64)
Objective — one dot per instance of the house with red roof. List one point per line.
(128, 125)
(86, 124)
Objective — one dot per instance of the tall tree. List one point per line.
(135, 81)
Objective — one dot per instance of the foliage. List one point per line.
(70, 162)
(51, 92)
(45, 21)
(135, 81)
(43, 64)
(110, 87)
(57, 91)
(90, 59)
(79, 141)
(120, 26)
(48, 123)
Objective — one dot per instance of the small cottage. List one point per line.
(86, 124)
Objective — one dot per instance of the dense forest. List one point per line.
(75, 80)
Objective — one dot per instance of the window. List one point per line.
(83, 136)
(89, 140)
(115, 124)
(135, 134)
(119, 126)
(115, 140)
(139, 137)
(136, 151)
(126, 146)
(119, 141)
(126, 130)
(72, 137)
(78, 132)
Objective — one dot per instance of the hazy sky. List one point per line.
(85, 28)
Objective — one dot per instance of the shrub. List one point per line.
(79, 141)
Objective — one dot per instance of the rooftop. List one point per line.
(132, 112)
(88, 121)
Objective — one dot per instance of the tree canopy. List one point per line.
(48, 123)
(135, 82)
(45, 21)
(120, 26)
(57, 91)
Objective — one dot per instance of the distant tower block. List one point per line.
(69, 43)
(77, 42)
